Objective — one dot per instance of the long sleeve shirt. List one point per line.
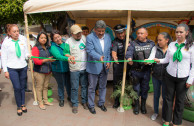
(180, 69)
(8, 54)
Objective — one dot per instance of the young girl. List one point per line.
(42, 68)
(14, 53)
(180, 74)
(159, 51)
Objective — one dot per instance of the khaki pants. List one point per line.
(42, 81)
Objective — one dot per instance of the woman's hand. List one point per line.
(156, 60)
(71, 59)
(188, 85)
(7, 75)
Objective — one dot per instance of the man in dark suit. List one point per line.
(98, 46)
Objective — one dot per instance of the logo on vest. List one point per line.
(82, 46)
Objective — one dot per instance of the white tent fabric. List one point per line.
(37, 6)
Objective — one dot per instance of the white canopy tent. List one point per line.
(111, 9)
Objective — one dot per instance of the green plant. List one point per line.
(129, 94)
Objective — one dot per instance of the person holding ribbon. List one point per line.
(14, 53)
(158, 71)
(180, 73)
(118, 53)
(140, 49)
(98, 47)
(42, 69)
(60, 68)
(76, 48)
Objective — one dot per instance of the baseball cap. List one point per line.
(75, 29)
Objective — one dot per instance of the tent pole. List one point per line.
(120, 109)
(30, 61)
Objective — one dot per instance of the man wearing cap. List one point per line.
(140, 49)
(118, 53)
(75, 48)
(98, 47)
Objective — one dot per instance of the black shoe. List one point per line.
(136, 107)
(61, 103)
(116, 104)
(27, 90)
(24, 110)
(85, 106)
(143, 106)
(92, 110)
(103, 108)
(75, 110)
(69, 99)
(19, 113)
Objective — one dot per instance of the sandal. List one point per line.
(42, 107)
(19, 113)
(48, 103)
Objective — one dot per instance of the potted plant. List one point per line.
(129, 94)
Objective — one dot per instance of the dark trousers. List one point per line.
(174, 86)
(63, 80)
(142, 87)
(18, 78)
(93, 79)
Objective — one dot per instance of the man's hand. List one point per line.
(188, 85)
(130, 61)
(107, 65)
(102, 58)
(114, 55)
(7, 75)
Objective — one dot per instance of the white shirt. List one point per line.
(8, 54)
(102, 43)
(180, 69)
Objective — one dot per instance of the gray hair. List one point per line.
(100, 24)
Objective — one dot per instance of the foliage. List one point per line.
(129, 93)
(11, 11)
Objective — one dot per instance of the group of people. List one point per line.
(83, 60)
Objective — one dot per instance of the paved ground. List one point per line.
(62, 116)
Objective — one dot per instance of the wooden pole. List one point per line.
(30, 61)
(125, 63)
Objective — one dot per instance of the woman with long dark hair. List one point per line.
(42, 68)
(180, 75)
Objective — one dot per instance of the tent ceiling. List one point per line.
(135, 14)
(139, 8)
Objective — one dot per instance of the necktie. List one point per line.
(17, 48)
(178, 55)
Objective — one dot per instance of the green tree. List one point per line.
(11, 11)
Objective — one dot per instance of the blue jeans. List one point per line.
(63, 79)
(18, 78)
(157, 91)
(93, 79)
(75, 78)
(142, 87)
